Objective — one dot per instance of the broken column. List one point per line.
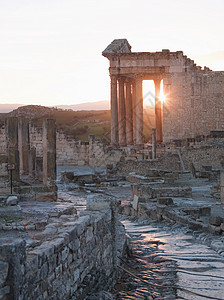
(49, 154)
(12, 146)
(23, 145)
(153, 143)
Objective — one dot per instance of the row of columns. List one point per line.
(23, 157)
(127, 111)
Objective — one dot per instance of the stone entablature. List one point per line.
(194, 97)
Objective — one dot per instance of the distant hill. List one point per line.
(99, 105)
(78, 124)
(5, 108)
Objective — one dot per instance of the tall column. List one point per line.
(158, 112)
(114, 112)
(23, 145)
(12, 146)
(122, 117)
(49, 152)
(32, 162)
(139, 112)
(129, 117)
(134, 110)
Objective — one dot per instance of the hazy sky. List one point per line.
(50, 50)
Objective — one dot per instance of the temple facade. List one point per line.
(194, 97)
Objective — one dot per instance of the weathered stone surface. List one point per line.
(98, 202)
(215, 220)
(165, 201)
(117, 46)
(135, 202)
(4, 291)
(4, 266)
(222, 226)
(12, 200)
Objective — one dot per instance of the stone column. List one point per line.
(23, 145)
(153, 143)
(32, 162)
(114, 112)
(134, 110)
(12, 145)
(129, 117)
(139, 112)
(49, 153)
(122, 117)
(158, 112)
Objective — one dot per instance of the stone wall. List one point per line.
(194, 101)
(167, 162)
(208, 153)
(3, 142)
(4, 175)
(36, 136)
(72, 152)
(82, 259)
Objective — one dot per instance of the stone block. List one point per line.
(99, 202)
(205, 211)
(215, 220)
(4, 291)
(12, 200)
(4, 267)
(222, 226)
(89, 234)
(165, 201)
(135, 202)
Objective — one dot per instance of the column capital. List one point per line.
(114, 77)
(157, 81)
(121, 79)
(138, 77)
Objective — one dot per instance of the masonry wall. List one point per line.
(81, 260)
(168, 162)
(3, 142)
(208, 153)
(195, 100)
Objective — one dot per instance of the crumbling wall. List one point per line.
(80, 260)
(36, 139)
(204, 154)
(101, 155)
(194, 99)
(167, 162)
(71, 152)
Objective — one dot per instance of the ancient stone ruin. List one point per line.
(194, 96)
(22, 167)
(66, 205)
